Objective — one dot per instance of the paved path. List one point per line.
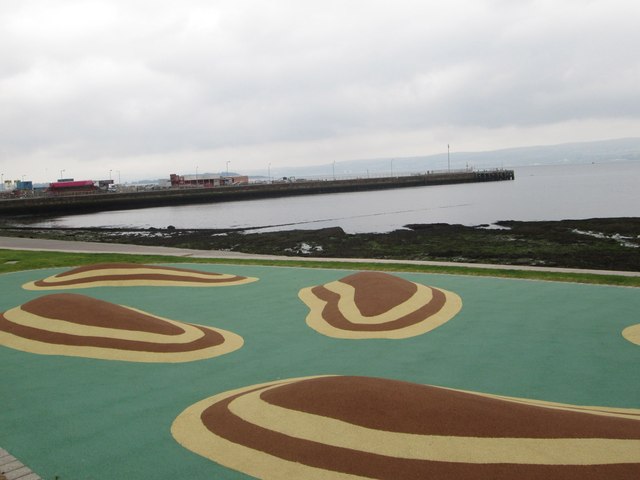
(15, 243)
(12, 469)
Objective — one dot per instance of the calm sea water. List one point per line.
(538, 193)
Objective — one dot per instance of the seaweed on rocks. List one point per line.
(606, 244)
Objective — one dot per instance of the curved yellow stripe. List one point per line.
(349, 309)
(232, 342)
(453, 304)
(20, 317)
(137, 271)
(137, 283)
(457, 449)
(632, 334)
(54, 280)
(630, 413)
(190, 432)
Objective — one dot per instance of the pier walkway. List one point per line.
(103, 201)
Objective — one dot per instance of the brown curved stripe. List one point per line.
(334, 317)
(220, 421)
(377, 292)
(397, 406)
(84, 310)
(140, 276)
(131, 266)
(210, 338)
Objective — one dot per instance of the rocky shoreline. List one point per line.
(607, 244)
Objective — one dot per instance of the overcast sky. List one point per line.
(147, 88)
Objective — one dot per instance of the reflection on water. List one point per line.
(538, 193)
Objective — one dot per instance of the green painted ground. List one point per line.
(92, 419)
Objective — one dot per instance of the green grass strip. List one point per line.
(18, 260)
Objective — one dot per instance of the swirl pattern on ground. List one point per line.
(360, 427)
(377, 305)
(75, 325)
(131, 274)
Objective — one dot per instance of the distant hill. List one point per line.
(569, 153)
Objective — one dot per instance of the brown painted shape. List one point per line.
(163, 274)
(397, 406)
(96, 267)
(333, 316)
(209, 338)
(219, 420)
(84, 310)
(378, 292)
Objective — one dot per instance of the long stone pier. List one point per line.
(51, 205)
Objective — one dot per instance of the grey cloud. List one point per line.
(133, 78)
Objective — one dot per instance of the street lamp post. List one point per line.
(269, 171)
(392, 167)
(448, 159)
(196, 175)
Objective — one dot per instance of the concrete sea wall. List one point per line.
(51, 205)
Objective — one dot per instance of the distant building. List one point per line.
(204, 180)
(207, 180)
(105, 184)
(8, 185)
